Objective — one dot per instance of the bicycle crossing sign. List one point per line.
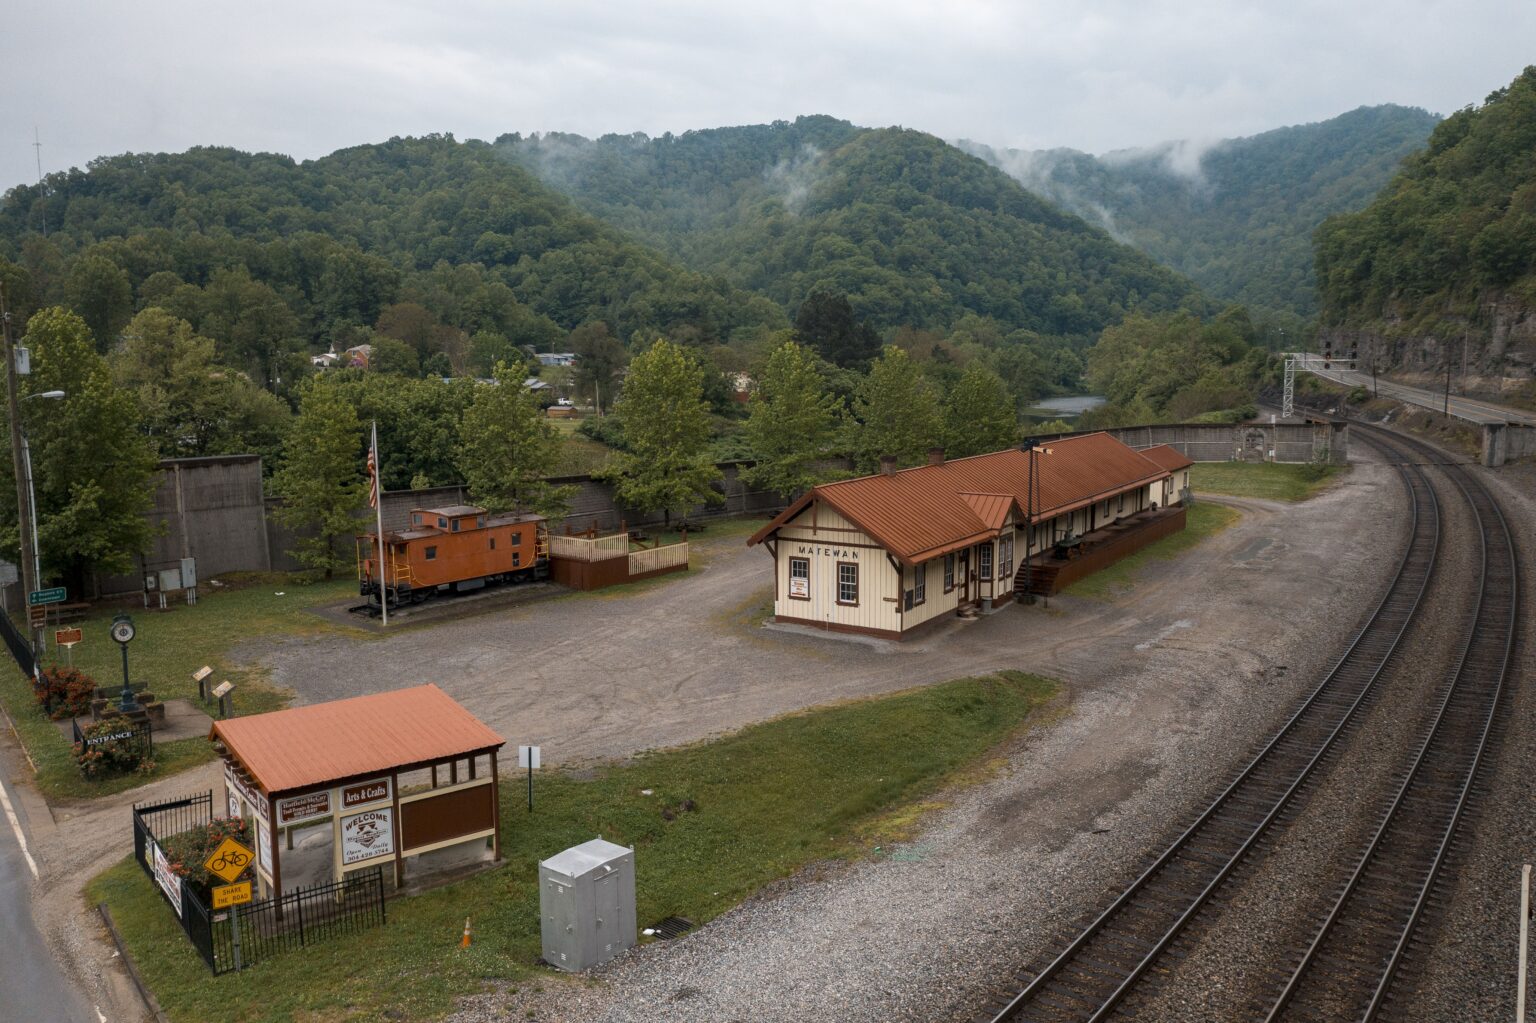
(229, 860)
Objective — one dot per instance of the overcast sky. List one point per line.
(305, 79)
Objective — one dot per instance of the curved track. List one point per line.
(1347, 971)
(1090, 977)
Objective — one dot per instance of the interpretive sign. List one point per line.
(67, 637)
(297, 809)
(367, 835)
(228, 860)
(228, 895)
(375, 790)
(264, 847)
(169, 883)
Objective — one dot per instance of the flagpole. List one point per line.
(378, 507)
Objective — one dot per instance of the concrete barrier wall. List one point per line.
(1259, 442)
(214, 509)
(1504, 441)
(210, 509)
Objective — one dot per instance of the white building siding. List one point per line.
(826, 540)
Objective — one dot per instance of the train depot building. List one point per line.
(883, 555)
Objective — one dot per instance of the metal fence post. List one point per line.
(1525, 927)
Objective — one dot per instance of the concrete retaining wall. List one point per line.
(1504, 441)
(210, 509)
(1256, 442)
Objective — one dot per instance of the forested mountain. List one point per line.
(271, 257)
(915, 232)
(1442, 265)
(1238, 216)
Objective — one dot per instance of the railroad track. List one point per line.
(1348, 969)
(1105, 962)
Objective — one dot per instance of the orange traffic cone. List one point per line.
(464, 943)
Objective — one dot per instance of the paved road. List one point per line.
(32, 987)
(1470, 409)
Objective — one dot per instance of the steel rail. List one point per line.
(1423, 500)
(1489, 517)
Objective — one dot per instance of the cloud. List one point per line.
(305, 79)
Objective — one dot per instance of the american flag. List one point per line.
(373, 469)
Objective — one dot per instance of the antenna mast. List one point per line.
(37, 148)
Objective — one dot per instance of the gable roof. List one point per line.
(1168, 456)
(322, 742)
(921, 513)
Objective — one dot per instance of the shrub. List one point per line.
(112, 756)
(604, 430)
(186, 852)
(64, 692)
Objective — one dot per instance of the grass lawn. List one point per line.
(1204, 519)
(170, 646)
(1277, 481)
(834, 782)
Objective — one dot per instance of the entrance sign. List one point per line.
(229, 860)
(367, 835)
(56, 595)
(298, 809)
(375, 790)
(234, 783)
(228, 895)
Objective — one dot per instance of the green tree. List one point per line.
(321, 479)
(92, 468)
(507, 447)
(979, 415)
(188, 404)
(100, 291)
(600, 360)
(793, 422)
(665, 420)
(898, 411)
(826, 323)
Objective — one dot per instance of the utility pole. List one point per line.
(37, 148)
(23, 508)
(1447, 385)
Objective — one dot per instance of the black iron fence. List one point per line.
(18, 645)
(133, 735)
(267, 927)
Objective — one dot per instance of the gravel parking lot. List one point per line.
(1167, 687)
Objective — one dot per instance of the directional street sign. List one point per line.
(229, 860)
(56, 595)
(228, 895)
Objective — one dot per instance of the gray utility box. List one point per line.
(587, 904)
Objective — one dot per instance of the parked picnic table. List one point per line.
(1068, 545)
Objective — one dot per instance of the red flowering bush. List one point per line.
(185, 853)
(64, 692)
(110, 748)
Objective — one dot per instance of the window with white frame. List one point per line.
(949, 572)
(848, 584)
(1005, 557)
(919, 583)
(1121, 509)
(984, 562)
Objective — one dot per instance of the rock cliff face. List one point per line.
(1491, 353)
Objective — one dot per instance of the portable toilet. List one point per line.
(587, 904)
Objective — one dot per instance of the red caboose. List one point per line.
(459, 548)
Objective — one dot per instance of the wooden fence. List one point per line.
(658, 558)
(583, 548)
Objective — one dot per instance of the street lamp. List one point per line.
(26, 461)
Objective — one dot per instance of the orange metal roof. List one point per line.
(921, 513)
(1169, 457)
(991, 509)
(302, 746)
